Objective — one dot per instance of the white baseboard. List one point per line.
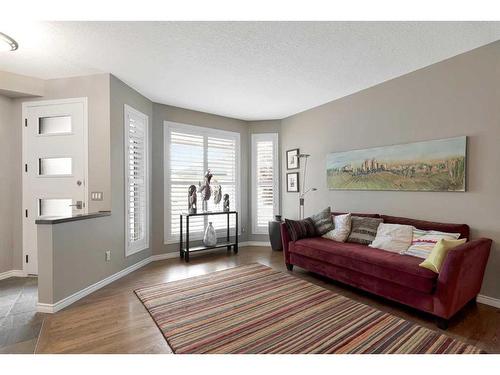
(495, 302)
(254, 243)
(164, 256)
(59, 305)
(52, 308)
(12, 273)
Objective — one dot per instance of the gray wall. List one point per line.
(255, 127)
(7, 142)
(459, 96)
(75, 251)
(163, 113)
(106, 96)
(122, 94)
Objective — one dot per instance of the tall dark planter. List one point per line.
(275, 233)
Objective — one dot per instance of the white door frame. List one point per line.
(30, 104)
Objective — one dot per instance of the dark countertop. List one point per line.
(65, 219)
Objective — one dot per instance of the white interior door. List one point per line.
(55, 166)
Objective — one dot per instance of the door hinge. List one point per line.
(26, 212)
(26, 167)
(27, 258)
(26, 122)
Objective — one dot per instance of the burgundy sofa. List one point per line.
(394, 276)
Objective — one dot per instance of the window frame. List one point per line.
(255, 138)
(168, 126)
(140, 245)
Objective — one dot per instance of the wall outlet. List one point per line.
(96, 195)
(108, 255)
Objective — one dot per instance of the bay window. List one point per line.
(189, 151)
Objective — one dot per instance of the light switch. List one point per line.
(96, 195)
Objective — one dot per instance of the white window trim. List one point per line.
(138, 245)
(276, 198)
(198, 130)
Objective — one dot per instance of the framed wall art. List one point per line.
(292, 159)
(292, 182)
(437, 165)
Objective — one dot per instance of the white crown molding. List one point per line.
(495, 302)
(12, 273)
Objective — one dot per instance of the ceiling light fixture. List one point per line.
(7, 43)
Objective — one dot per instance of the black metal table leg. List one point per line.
(228, 233)
(181, 251)
(186, 252)
(236, 236)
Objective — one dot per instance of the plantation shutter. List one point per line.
(191, 152)
(136, 176)
(265, 185)
(186, 168)
(221, 155)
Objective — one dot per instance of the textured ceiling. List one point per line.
(246, 70)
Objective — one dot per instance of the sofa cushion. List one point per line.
(363, 229)
(341, 230)
(393, 237)
(357, 214)
(422, 246)
(438, 254)
(400, 269)
(463, 229)
(323, 221)
(300, 228)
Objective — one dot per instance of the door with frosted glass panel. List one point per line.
(55, 165)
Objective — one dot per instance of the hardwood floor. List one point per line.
(113, 320)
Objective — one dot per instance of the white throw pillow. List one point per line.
(341, 229)
(393, 237)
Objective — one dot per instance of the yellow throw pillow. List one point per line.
(438, 254)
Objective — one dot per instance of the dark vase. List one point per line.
(275, 233)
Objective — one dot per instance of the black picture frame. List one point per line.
(290, 159)
(292, 188)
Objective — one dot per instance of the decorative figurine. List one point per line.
(226, 202)
(217, 191)
(205, 190)
(192, 199)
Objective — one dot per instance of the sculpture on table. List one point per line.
(192, 199)
(226, 202)
(205, 190)
(217, 191)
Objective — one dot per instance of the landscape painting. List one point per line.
(437, 165)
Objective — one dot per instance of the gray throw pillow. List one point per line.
(363, 229)
(323, 221)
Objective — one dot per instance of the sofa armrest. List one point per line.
(461, 276)
(285, 239)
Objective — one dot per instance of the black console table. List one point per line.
(184, 251)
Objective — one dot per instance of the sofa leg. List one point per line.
(442, 323)
(289, 266)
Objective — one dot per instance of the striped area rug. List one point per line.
(255, 309)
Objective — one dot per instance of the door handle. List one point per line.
(78, 205)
